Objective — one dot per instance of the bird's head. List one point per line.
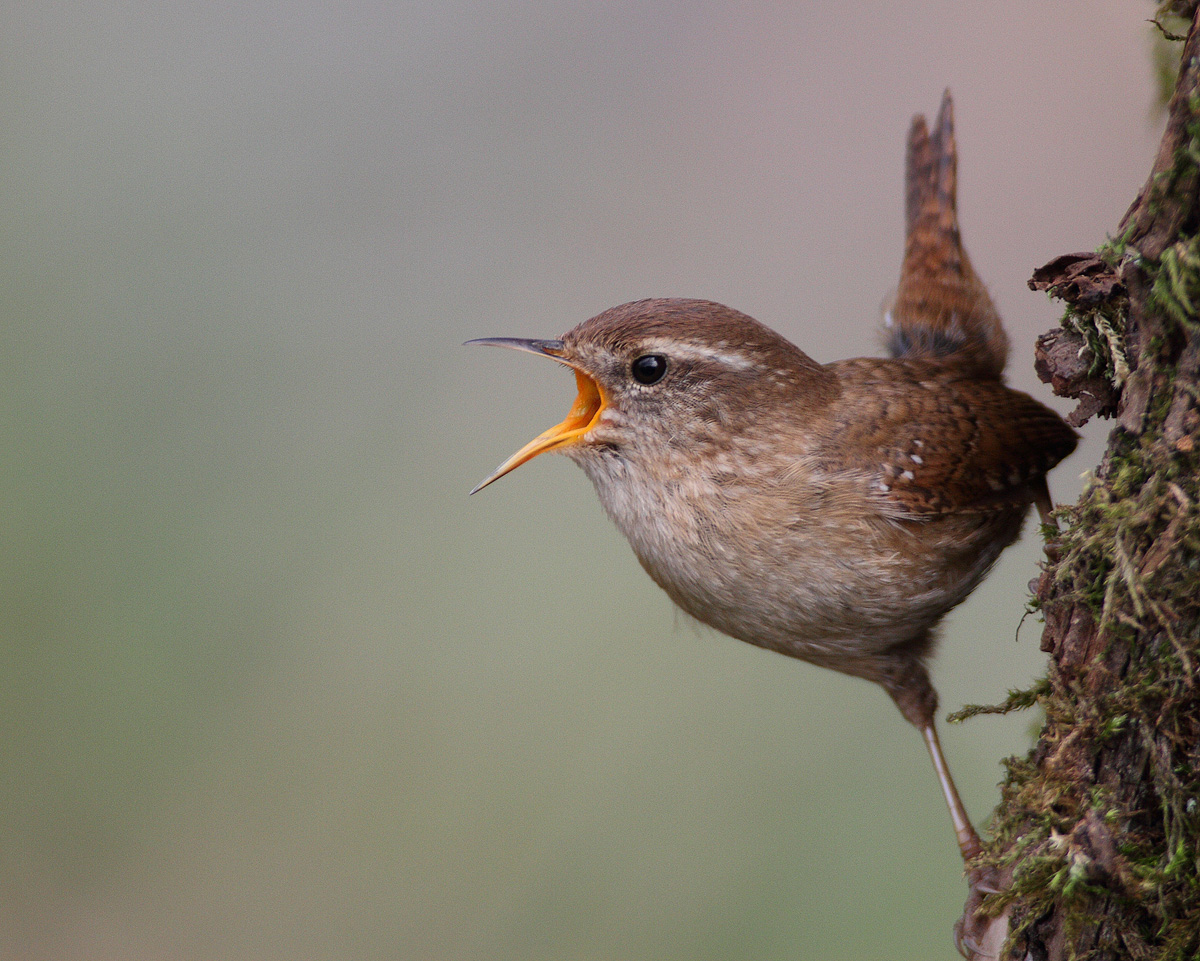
(658, 379)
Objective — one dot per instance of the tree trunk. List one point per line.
(1098, 827)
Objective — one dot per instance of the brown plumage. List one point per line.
(941, 307)
(831, 512)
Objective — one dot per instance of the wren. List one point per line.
(831, 512)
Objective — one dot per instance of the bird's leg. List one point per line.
(968, 840)
(900, 672)
(977, 935)
(1043, 503)
(906, 679)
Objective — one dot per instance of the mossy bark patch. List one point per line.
(1099, 826)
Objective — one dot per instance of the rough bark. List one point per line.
(1097, 832)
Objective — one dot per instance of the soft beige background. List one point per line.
(272, 686)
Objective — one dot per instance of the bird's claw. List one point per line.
(977, 935)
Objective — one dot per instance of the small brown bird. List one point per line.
(830, 512)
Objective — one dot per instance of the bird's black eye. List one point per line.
(649, 368)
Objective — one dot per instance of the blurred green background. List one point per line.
(272, 685)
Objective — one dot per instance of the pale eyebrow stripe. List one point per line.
(697, 352)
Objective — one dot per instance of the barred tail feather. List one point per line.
(941, 308)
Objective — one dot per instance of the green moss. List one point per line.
(1148, 613)
(1106, 563)
(1103, 330)
(1017, 700)
(1102, 818)
(1176, 288)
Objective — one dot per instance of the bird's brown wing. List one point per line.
(926, 441)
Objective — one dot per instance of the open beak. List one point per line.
(586, 410)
